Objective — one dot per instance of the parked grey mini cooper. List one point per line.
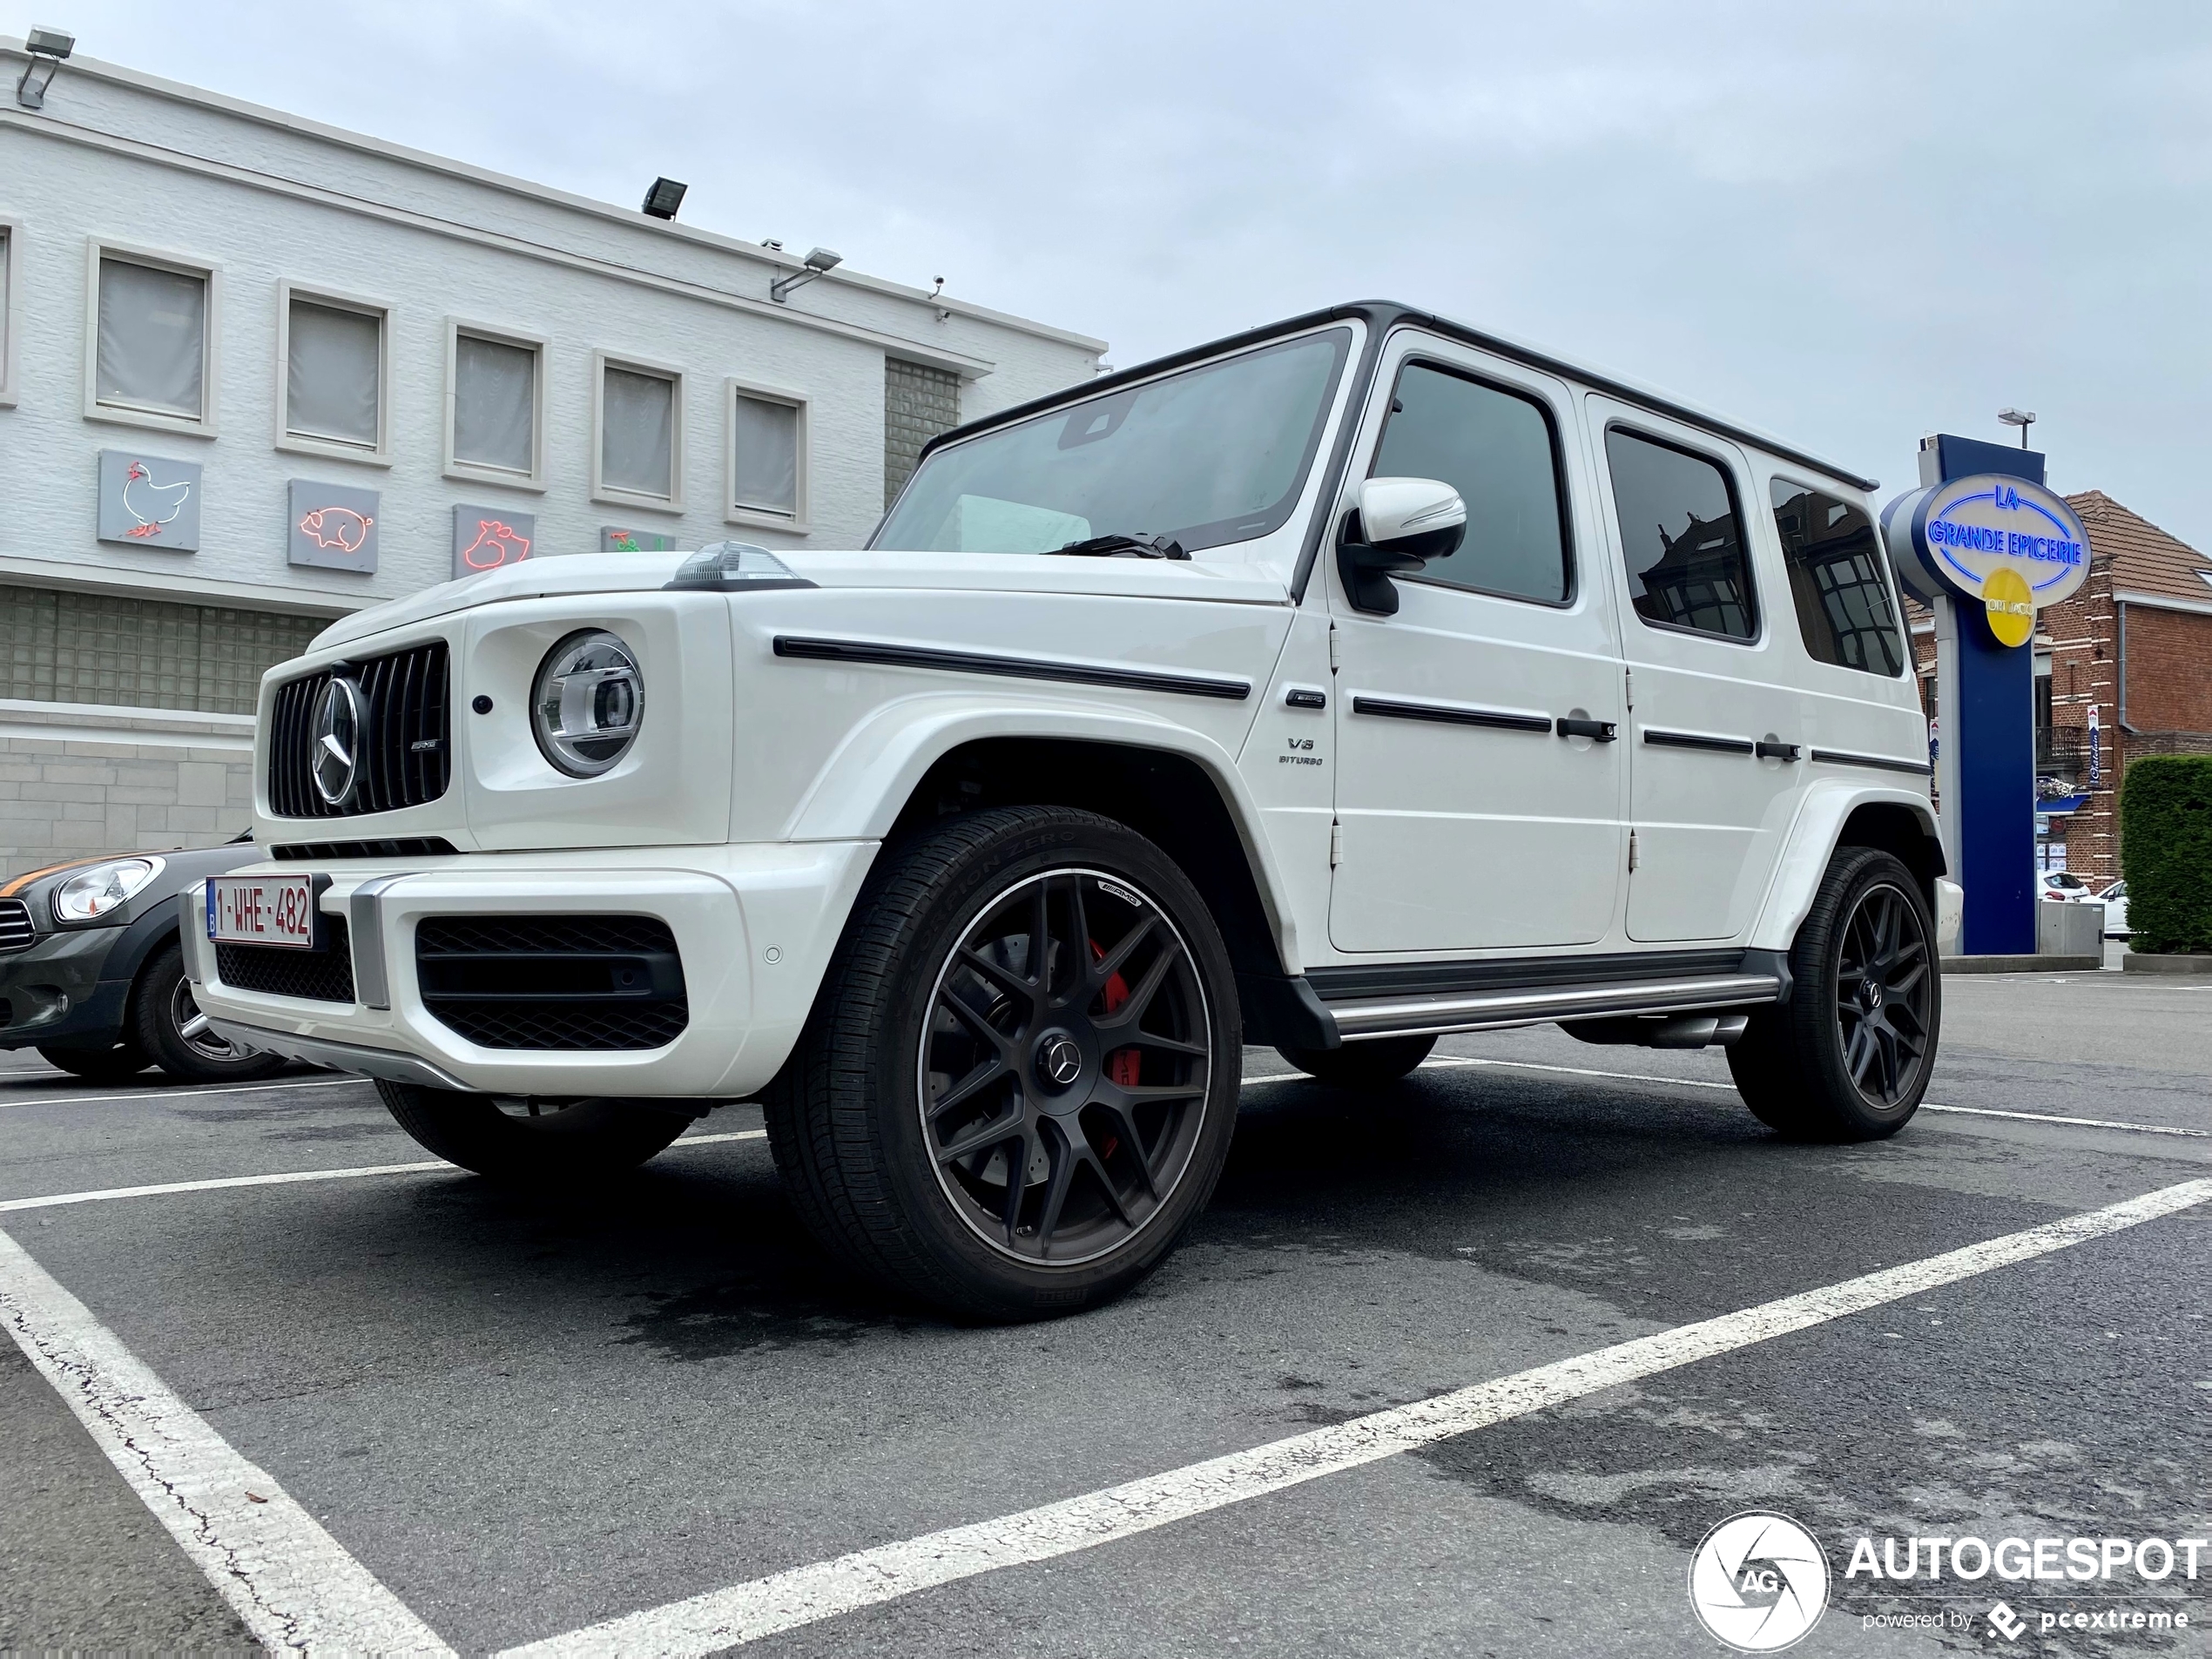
(91, 975)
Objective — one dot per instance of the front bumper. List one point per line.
(53, 993)
(754, 927)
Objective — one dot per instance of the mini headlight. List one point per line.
(93, 892)
(588, 703)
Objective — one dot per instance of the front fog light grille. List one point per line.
(325, 976)
(560, 983)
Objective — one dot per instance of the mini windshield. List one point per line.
(1214, 454)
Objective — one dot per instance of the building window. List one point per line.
(58, 646)
(495, 407)
(919, 402)
(151, 344)
(10, 294)
(1683, 537)
(768, 457)
(637, 418)
(1837, 580)
(335, 365)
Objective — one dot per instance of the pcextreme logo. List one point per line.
(1758, 1582)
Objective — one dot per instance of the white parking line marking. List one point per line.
(804, 1595)
(183, 1093)
(1697, 1082)
(293, 1176)
(294, 1585)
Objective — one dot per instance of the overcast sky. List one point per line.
(1849, 223)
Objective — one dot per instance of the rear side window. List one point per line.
(1495, 448)
(1682, 534)
(1836, 580)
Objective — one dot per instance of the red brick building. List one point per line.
(2134, 643)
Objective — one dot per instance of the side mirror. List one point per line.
(1404, 522)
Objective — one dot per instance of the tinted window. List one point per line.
(1683, 537)
(1837, 581)
(1212, 456)
(1495, 448)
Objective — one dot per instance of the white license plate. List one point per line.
(262, 910)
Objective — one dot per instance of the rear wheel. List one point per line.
(166, 1022)
(1362, 1065)
(542, 1142)
(1847, 1058)
(99, 1065)
(1020, 1078)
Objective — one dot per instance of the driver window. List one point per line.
(1497, 448)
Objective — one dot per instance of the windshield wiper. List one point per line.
(1121, 546)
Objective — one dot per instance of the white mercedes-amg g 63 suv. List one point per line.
(1333, 686)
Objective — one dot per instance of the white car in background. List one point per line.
(2115, 899)
(2062, 887)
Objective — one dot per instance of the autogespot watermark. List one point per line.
(1759, 1581)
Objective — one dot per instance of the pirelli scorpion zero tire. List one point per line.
(538, 1142)
(1847, 1057)
(1018, 1084)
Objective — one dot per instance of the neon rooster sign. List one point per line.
(154, 506)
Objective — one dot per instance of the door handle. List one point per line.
(1769, 749)
(1603, 730)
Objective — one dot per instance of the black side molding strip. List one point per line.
(1692, 740)
(1873, 763)
(1020, 668)
(1444, 716)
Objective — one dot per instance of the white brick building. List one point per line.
(244, 355)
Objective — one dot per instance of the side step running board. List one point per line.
(1406, 1015)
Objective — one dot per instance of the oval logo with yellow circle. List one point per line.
(2010, 605)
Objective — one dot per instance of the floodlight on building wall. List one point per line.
(820, 263)
(2021, 418)
(47, 47)
(664, 198)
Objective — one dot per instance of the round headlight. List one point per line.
(588, 703)
(92, 892)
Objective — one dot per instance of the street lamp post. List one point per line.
(2021, 418)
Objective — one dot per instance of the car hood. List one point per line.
(1224, 582)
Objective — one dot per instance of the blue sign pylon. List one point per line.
(1986, 553)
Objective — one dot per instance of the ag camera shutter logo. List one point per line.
(1758, 1582)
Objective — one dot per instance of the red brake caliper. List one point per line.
(1123, 1064)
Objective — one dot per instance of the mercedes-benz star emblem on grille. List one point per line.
(341, 729)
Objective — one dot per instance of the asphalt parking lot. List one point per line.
(491, 1420)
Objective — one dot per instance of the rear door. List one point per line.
(1716, 759)
(1466, 818)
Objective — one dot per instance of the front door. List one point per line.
(1468, 818)
(1715, 765)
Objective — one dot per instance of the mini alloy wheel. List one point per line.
(1064, 1067)
(197, 1034)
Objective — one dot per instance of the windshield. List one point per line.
(1216, 454)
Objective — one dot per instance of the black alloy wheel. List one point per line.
(1883, 974)
(1019, 1081)
(1065, 1067)
(1847, 1057)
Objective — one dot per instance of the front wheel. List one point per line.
(1847, 1058)
(537, 1142)
(166, 1023)
(1018, 1084)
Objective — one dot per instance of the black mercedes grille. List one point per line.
(570, 982)
(407, 751)
(325, 976)
(16, 931)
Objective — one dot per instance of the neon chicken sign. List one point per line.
(154, 506)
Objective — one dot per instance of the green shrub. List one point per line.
(2166, 852)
